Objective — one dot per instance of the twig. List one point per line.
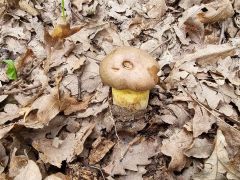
(135, 140)
(20, 90)
(164, 42)
(207, 109)
(79, 97)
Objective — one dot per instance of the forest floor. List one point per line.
(57, 120)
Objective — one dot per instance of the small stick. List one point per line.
(20, 90)
(207, 109)
(164, 42)
(79, 97)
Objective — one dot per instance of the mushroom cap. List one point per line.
(129, 68)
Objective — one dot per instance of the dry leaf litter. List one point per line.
(57, 121)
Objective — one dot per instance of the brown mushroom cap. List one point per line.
(129, 68)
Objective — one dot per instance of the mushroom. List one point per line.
(131, 73)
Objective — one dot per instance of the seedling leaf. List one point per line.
(11, 70)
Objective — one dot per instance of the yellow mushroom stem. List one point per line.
(132, 100)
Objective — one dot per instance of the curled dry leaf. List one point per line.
(101, 146)
(200, 148)
(218, 163)
(175, 147)
(181, 114)
(17, 163)
(61, 30)
(202, 121)
(46, 107)
(43, 110)
(31, 171)
(71, 146)
(215, 11)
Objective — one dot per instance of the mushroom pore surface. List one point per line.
(129, 68)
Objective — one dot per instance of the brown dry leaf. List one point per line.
(57, 176)
(77, 171)
(134, 175)
(129, 158)
(156, 8)
(46, 107)
(68, 148)
(208, 55)
(24, 5)
(61, 30)
(215, 11)
(218, 163)
(73, 63)
(229, 69)
(79, 3)
(229, 95)
(43, 110)
(232, 137)
(101, 146)
(101, 94)
(70, 105)
(93, 110)
(3, 97)
(175, 147)
(181, 114)
(181, 35)
(212, 96)
(90, 78)
(200, 148)
(11, 112)
(5, 129)
(3, 158)
(185, 4)
(23, 60)
(189, 24)
(169, 119)
(31, 171)
(202, 121)
(17, 163)
(71, 83)
(57, 56)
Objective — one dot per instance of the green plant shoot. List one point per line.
(11, 70)
(63, 10)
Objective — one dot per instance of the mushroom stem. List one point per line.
(132, 100)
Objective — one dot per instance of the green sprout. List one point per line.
(63, 10)
(11, 69)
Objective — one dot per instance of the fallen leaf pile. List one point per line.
(57, 121)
